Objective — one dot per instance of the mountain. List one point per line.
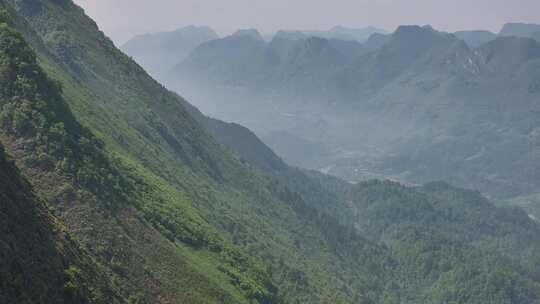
(419, 92)
(171, 206)
(242, 62)
(160, 51)
(337, 32)
(295, 65)
(475, 38)
(407, 47)
(519, 29)
(252, 33)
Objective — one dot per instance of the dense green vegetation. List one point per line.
(165, 213)
(454, 240)
(34, 113)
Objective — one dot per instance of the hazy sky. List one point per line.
(121, 19)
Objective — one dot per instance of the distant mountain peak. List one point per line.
(414, 32)
(408, 29)
(198, 29)
(253, 33)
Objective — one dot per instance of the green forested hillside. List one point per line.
(454, 241)
(168, 214)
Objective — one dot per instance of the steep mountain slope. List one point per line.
(161, 51)
(103, 203)
(41, 261)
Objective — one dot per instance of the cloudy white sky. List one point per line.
(121, 19)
